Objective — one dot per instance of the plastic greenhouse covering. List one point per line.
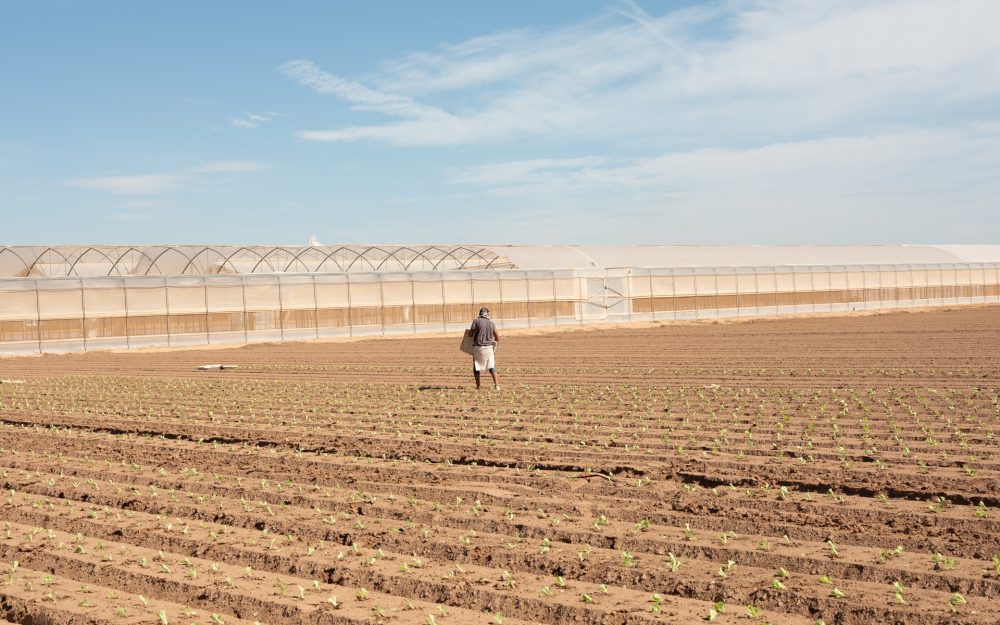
(55, 299)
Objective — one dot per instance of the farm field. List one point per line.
(843, 470)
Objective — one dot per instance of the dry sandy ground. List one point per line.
(842, 469)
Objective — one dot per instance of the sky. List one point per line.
(556, 122)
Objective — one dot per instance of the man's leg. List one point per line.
(476, 375)
(496, 383)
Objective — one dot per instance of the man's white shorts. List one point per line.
(482, 358)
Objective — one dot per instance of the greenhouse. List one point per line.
(73, 298)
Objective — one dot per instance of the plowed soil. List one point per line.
(838, 469)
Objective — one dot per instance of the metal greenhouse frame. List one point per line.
(220, 294)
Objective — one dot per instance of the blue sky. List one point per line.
(583, 121)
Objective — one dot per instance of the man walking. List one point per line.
(484, 339)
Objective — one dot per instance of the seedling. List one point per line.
(898, 587)
(942, 563)
(724, 571)
(163, 617)
(980, 510)
(656, 600)
(673, 562)
(545, 546)
(955, 600)
(836, 593)
(888, 555)
(833, 549)
(508, 580)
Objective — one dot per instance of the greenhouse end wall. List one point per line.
(47, 315)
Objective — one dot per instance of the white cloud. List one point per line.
(361, 97)
(161, 183)
(242, 123)
(143, 184)
(841, 165)
(889, 187)
(726, 72)
(519, 172)
(252, 120)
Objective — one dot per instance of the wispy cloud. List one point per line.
(888, 183)
(634, 12)
(142, 184)
(522, 172)
(161, 183)
(359, 96)
(760, 70)
(242, 123)
(252, 120)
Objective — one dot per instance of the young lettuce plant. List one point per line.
(956, 600)
(673, 562)
(898, 587)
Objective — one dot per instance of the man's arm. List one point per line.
(496, 335)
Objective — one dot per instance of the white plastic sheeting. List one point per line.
(679, 256)
(75, 314)
(172, 260)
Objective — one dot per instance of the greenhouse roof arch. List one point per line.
(167, 260)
